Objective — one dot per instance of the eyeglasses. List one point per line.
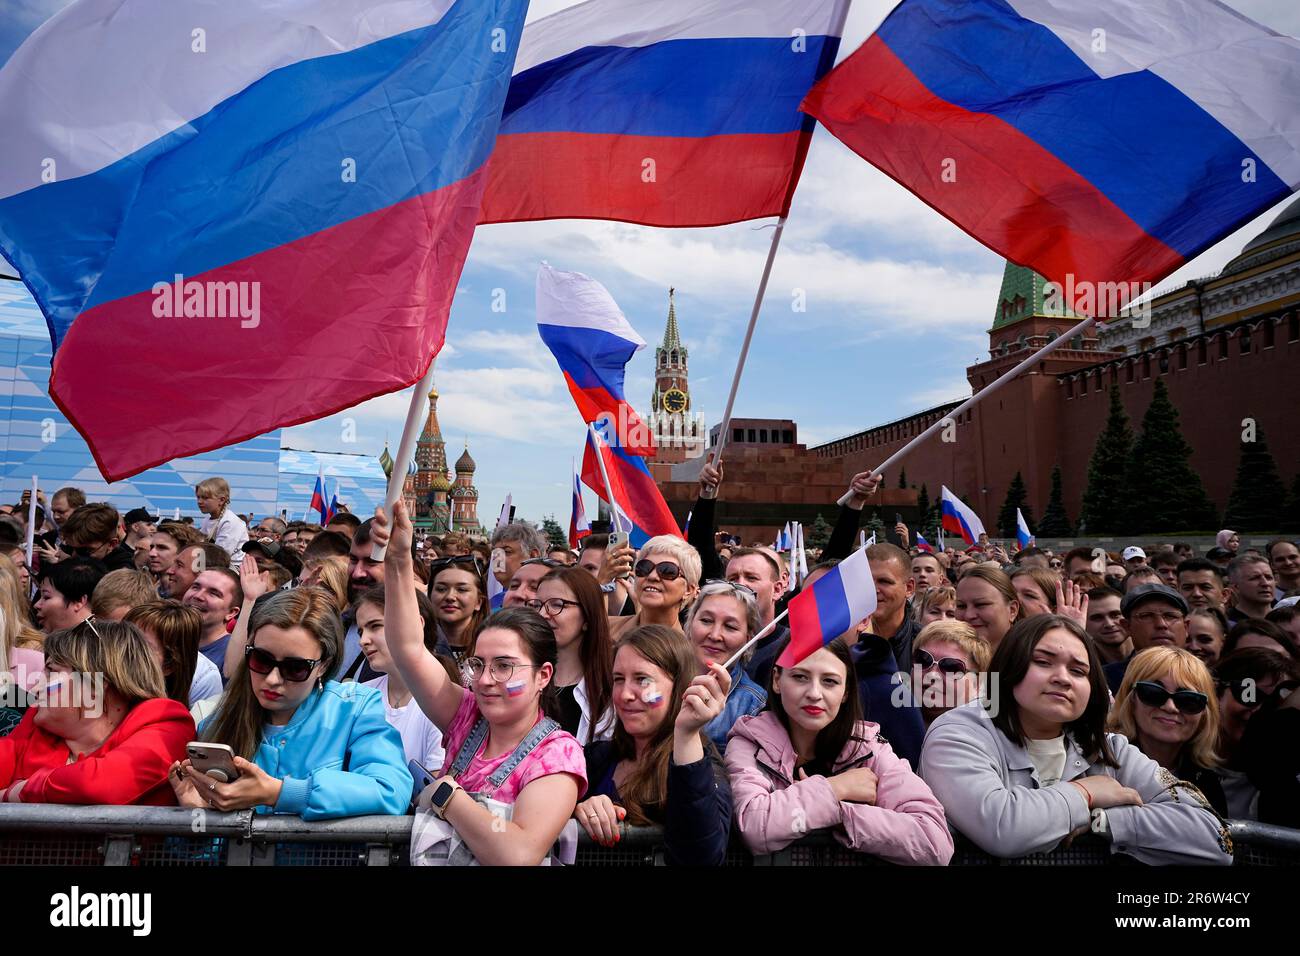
(293, 669)
(1245, 691)
(1164, 617)
(552, 606)
(948, 665)
(544, 562)
(1154, 695)
(667, 570)
(734, 585)
(501, 670)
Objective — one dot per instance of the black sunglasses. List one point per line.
(1154, 695)
(667, 570)
(1245, 691)
(948, 665)
(441, 564)
(544, 562)
(294, 669)
(734, 585)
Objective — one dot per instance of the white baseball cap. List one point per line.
(1131, 553)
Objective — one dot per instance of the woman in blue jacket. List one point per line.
(660, 767)
(303, 744)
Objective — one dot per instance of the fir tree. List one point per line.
(877, 527)
(1163, 491)
(819, 535)
(923, 508)
(1105, 501)
(1291, 516)
(1258, 495)
(1016, 498)
(1055, 523)
(554, 533)
(902, 477)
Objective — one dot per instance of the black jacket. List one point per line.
(696, 812)
(878, 689)
(700, 537)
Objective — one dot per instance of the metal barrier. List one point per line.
(55, 835)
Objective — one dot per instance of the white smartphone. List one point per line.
(216, 760)
(617, 539)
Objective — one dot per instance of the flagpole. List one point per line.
(979, 396)
(31, 526)
(604, 476)
(406, 450)
(763, 632)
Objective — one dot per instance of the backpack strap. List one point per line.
(541, 730)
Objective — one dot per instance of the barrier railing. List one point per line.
(50, 835)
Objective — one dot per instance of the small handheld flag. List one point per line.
(923, 545)
(579, 526)
(959, 518)
(1022, 531)
(495, 589)
(318, 499)
(836, 602)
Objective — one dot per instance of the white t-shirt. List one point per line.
(1049, 759)
(421, 740)
(228, 531)
(206, 682)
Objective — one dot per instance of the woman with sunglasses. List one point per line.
(293, 731)
(667, 573)
(722, 619)
(102, 730)
(810, 762)
(947, 661)
(570, 600)
(659, 768)
(458, 591)
(1247, 681)
(1030, 765)
(1168, 709)
(500, 742)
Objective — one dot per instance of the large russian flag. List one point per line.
(835, 602)
(239, 216)
(592, 341)
(635, 493)
(1107, 141)
(661, 112)
(959, 518)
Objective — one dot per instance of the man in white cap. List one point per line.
(1134, 558)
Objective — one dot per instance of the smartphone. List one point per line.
(498, 561)
(898, 518)
(617, 539)
(421, 776)
(216, 760)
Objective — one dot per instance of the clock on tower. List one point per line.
(674, 400)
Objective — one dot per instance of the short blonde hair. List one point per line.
(933, 597)
(1187, 670)
(122, 588)
(214, 486)
(954, 632)
(679, 550)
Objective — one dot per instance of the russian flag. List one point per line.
(836, 602)
(959, 518)
(636, 495)
(496, 591)
(579, 526)
(922, 544)
(334, 504)
(187, 184)
(318, 500)
(593, 341)
(1022, 531)
(664, 113)
(1101, 142)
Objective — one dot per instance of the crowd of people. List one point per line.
(1018, 701)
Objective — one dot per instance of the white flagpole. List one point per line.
(763, 632)
(604, 476)
(979, 396)
(31, 524)
(406, 449)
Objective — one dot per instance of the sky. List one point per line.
(898, 304)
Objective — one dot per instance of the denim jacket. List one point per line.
(743, 700)
(337, 757)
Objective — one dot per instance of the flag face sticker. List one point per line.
(651, 696)
(516, 687)
(1098, 143)
(665, 113)
(295, 175)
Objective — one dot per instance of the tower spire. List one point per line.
(671, 338)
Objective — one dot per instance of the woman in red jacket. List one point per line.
(104, 730)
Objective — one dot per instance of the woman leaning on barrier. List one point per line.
(660, 768)
(1030, 765)
(809, 762)
(104, 731)
(303, 744)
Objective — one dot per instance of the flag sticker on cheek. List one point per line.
(516, 687)
(651, 696)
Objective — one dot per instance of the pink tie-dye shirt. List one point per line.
(558, 753)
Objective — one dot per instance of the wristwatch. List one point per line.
(442, 796)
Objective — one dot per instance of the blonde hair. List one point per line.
(677, 548)
(122, 588)
(931, 598)
(332, 578)
(955, 632)
(112, 648)
(16, 627)
(214, 486)
(1187, 670)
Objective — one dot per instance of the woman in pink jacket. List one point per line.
(810, 762)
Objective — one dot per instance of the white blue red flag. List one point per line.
(495, 589)
(636, 496)
(579, 526)
(1023, 536)
(922, 544)
(1101, 142)
(592, 341)
(665, 113)
(318, 503)
(835, 602)
(269, 202)
(959, 518)
(334, 504)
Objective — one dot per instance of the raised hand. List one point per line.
(1072, 602)
(862, 487)
(710, 478)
